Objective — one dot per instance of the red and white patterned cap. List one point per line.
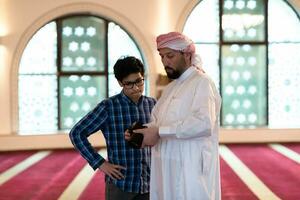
(179, 42)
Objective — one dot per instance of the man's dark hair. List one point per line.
(126, 66)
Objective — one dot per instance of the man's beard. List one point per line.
(172, 73)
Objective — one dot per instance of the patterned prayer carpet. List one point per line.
(248, 171)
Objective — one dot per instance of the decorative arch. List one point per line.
(185, 14)
(78, 8)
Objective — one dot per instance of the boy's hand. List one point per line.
(127, 135)
(113, 171)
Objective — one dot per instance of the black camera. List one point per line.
(136, 139)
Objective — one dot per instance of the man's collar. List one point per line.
(186, 74)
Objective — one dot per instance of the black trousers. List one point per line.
(112, 192)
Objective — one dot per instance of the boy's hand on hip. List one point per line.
(113, 171)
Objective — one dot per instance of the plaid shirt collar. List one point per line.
(126, 98)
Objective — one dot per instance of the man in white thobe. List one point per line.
(184, 128)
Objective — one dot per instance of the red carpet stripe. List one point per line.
(61, 179)
(279, 173)
(46, 179)
(293, 147)
(9, 159)
(95, 189)
(232, 186)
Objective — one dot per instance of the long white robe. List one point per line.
(185, 161)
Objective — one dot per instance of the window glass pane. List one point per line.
(244, 77)
(78, 95)
(243, 85)
(120, 44)
(202, 24)
(210, 54)
(37, 104)
(114, 87)
(35, 61)
(83, 44)
(284, 84)
(243, 20)
(284, 25)
(206, 15)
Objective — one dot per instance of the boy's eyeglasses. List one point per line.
(129, 84)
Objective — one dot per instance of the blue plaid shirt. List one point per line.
(113, 116)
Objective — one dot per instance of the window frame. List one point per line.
(60, 73)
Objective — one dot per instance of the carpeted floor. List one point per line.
(248, 171)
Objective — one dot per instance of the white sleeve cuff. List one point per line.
(166, 131)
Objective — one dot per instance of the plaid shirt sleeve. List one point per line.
(88, 125)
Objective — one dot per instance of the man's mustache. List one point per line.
(169, 68)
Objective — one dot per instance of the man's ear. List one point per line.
(120, 83)
(188, 58)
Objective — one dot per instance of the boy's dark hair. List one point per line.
(126, 66)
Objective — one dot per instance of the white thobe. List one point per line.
(185, 161)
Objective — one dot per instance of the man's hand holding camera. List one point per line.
(151, 136)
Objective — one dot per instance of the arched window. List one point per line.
(251, 50)
(66, 69)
